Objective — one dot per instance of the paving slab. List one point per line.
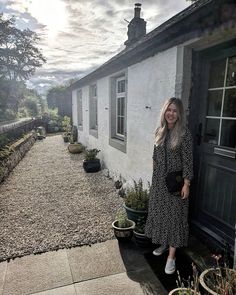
(67, 290)
(35, 273)
(118, 284)
(3, 269)
(98, 260)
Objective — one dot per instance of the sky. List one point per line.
(77, 36)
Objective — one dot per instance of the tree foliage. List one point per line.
(19, 56)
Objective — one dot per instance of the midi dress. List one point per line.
(167, 221)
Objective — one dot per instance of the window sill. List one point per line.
(93, 132)
(118, 144)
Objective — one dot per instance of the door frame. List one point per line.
(200, 68)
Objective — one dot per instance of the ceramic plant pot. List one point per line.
(91, 166)
(123, 233)
(210, 278)
(75, 148)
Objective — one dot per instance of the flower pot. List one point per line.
(91, 166)
(135, 215)
(141, 240)
(183, 291)
(210, 278)
(75, 148)
(66, 138)
(123, 234)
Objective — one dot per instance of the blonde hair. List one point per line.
(177, 131)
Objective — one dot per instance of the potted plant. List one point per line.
(66, 126)
(40, 132)
(219, 280)
(136, 201)
(91, 163)
(75, 147)
(122, 226)
(139, 232)
(189, 287)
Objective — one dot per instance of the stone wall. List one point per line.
(20, 149)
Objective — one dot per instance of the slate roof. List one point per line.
(177, 29)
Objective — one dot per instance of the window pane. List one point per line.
(122, 106)
(212, 131)
(217, 73)
(121, 86)
(230, 103)
(122, 126)
(231, 75)
(214, 101)
(228, 133)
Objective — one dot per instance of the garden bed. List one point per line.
(16, 152)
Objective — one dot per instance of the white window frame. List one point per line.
(93, 110)
(120, 95)
(116, 139)
(80, 108)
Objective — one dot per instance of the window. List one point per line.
(93, 110)
(80, 109)
(120, 107)
(221, 103)
(118, 112)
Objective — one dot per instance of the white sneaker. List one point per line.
(170, 266)
(160, 250)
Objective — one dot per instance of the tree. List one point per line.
(19, 56)
(60, 97)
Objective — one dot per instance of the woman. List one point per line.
(167, 222)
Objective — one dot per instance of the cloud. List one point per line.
(93, 32)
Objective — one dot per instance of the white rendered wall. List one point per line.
(150, 83)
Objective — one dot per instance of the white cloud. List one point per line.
(77, 36)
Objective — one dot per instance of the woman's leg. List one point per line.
(172, 251)
(170, 263)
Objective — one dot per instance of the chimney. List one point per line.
(136, 27)
(137, 10)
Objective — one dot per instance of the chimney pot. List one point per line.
(137, 10)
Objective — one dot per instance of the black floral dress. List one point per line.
(167, 222)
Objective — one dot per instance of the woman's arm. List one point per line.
(187, 162)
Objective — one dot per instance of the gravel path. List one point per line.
(49, 202)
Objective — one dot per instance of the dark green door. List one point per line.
(215, 145)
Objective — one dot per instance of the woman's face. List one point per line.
(171, 115)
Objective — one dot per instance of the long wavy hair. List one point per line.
(177, 131)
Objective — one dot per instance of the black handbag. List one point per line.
(174, 180)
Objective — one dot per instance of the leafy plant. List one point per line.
(189, 286)
(90, 154)
(5, 152)
(137, 197)
(66, 124)
(122, 218)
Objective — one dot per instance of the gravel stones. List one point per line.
(48, 202)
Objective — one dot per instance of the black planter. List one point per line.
(141, 240)
(91, 166)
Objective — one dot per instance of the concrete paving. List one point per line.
(108, 268)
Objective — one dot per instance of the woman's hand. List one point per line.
(185, 191)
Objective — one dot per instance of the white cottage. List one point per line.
(191, 56)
